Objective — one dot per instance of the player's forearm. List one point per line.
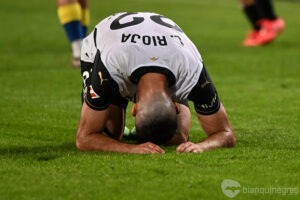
(101, 143)
(218, 140)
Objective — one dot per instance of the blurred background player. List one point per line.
(266, 25)
(75, 18)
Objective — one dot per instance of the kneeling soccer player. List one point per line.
(146, 58)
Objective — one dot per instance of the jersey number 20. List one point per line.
(115, 25)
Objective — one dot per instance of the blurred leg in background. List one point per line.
(85, 19)
(75, 18)
(265, 24)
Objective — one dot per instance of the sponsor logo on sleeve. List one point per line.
(205, 84)
(101, 78)
(93, 94)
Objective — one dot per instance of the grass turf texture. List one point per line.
(40, 108)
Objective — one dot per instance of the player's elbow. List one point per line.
(80, 144)
(231, 139)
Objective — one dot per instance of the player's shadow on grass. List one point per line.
(49, 151)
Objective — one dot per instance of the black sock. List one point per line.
(267, 8)
(254, 15)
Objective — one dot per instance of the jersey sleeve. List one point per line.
(89, 49)
(100, 90)
(204, 95)
(87, 58)
(90, 69)
(95, 91)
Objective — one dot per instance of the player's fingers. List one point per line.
(149, 144)
(197, 150)
(180, 147)
(147, 150)
(153, 146)
(152, 150)
(157, 148)
(190, 148)
(183, 146)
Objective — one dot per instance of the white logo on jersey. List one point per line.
(207, 106)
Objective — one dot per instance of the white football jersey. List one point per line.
(130, 41)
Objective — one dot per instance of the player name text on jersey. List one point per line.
(145, 39)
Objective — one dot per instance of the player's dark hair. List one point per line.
(157, 121)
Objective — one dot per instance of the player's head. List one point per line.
(156, 119)
(155, 111)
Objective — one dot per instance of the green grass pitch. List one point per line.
(40, 107)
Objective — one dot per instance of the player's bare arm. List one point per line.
(219, 131)
(212, 117)
(92, 137)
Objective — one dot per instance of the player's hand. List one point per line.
(145, 148)
(189, 147)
